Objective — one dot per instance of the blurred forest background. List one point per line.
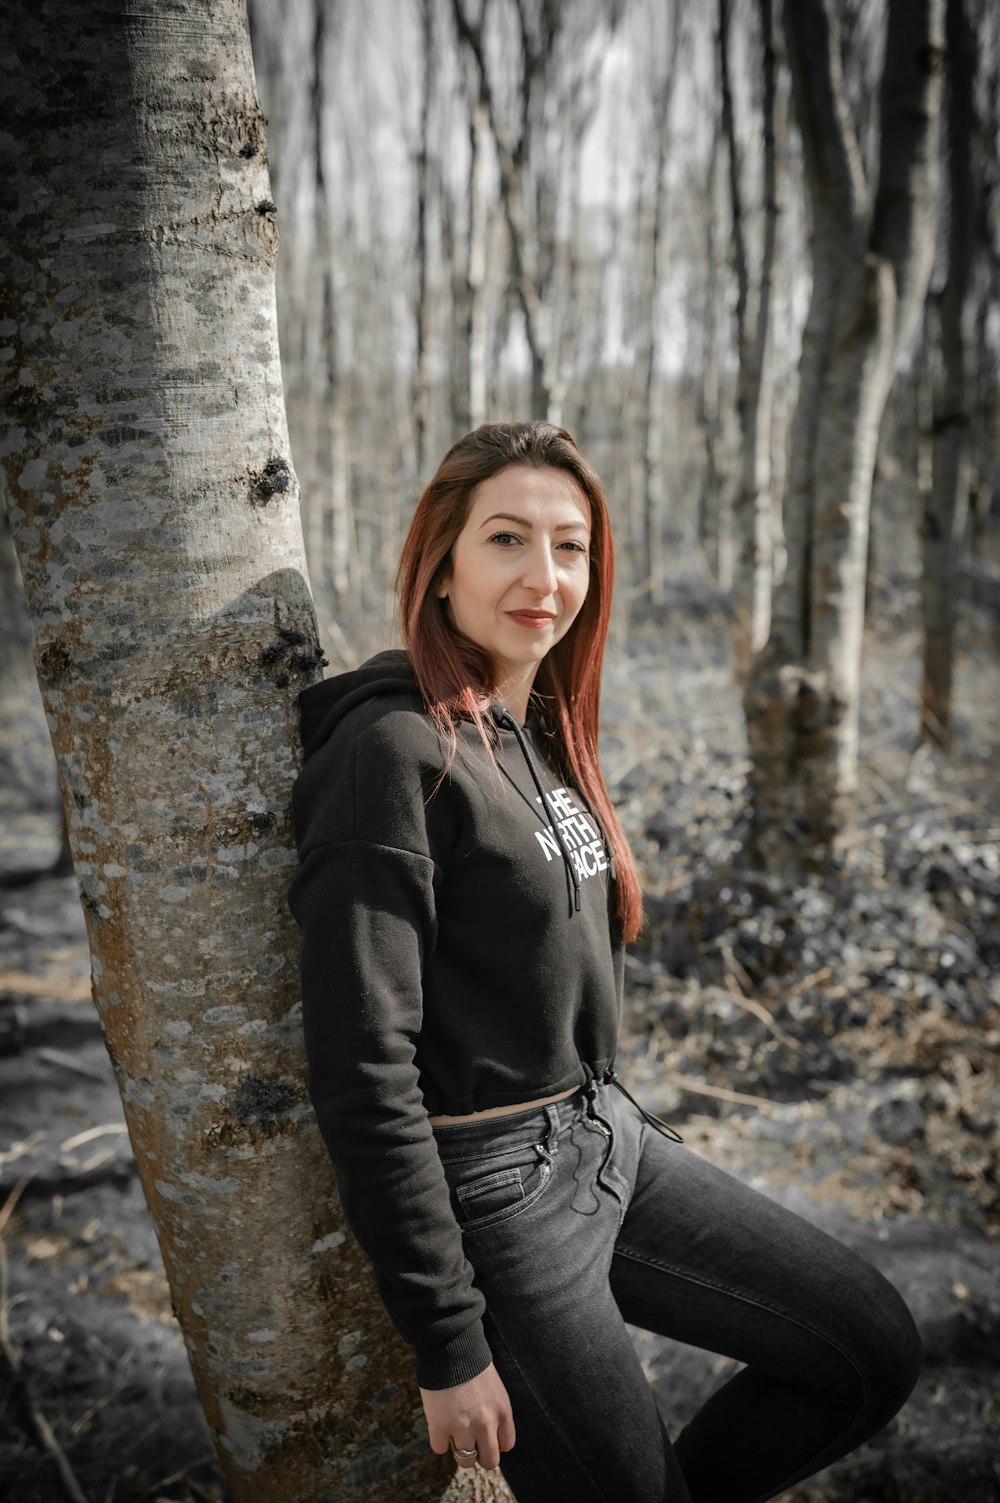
(625, 216)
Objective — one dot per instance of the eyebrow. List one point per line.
(508, 516)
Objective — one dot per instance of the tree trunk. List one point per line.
(652, 417)
(951, 409)
(468, 276)
(512, 160)
(709, 417)
(752, 514)
(476, 267)
(154, 510)
(421, 392)
(870, 276)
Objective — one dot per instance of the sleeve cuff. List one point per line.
(456, 1361)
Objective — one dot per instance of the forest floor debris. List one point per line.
(834, 1043)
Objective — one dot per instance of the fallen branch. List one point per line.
(92, 1132)
(67, 1062)
(734, 973)
(701, 1088)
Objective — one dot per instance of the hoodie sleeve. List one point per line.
(364, 900)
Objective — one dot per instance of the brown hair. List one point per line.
(456, 676)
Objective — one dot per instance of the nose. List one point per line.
(540, 570)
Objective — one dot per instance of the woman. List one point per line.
(464, 896)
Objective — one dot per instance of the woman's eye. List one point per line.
(574, 547)
(504, 538)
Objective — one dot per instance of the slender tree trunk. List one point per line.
(755, 342)
(468, 364)
(942, 508)
(870, 274)
(334, 533)
(651, 410)
(154, 510)
(421, 393)
(709, 415)
(525, 250)
(479, 227)
(650, 416)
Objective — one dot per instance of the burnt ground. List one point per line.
(834, 1043)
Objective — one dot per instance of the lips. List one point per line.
(532, 618)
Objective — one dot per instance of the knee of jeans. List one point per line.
(889, 1348)
(904, 1353)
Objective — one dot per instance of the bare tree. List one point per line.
(468, 224)
(537, 137)
(943, 513)
(712, 521)
(655, 250)
(755, 503)
(330, 515)
(871, 263)
(421, 394)
(527, 244)
(154, 511)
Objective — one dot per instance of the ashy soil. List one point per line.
(834, 1043)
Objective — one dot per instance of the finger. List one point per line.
(465, 1452)
(489, 1452)
(439, 1439)
(506, 1434)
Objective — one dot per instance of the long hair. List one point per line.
(457, 677)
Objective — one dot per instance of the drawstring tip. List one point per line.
(576, 899)
(611, 1078)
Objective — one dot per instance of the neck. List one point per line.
(515, 690)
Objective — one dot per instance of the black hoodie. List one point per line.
(459, 952)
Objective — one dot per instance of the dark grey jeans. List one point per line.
(578, 1217)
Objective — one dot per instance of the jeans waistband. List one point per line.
(529, 1126)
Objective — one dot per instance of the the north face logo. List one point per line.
(582, 840)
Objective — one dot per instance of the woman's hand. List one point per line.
(471, 1416)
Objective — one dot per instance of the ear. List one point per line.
(441, 589)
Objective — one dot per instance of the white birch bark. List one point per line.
(870, 273)
(154, 509)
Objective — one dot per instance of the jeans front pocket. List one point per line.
(487, 1191)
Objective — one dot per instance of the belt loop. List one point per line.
(590, 1086)
(552, 1136)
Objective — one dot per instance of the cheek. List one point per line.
(581, 589)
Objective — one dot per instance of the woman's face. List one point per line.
(520, 567)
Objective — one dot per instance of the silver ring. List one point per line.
(466, 1455)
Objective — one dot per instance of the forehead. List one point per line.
(542, 496)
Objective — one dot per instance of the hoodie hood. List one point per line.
(322, 706)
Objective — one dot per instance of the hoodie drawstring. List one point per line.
(506, 718)
(610, 1077)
